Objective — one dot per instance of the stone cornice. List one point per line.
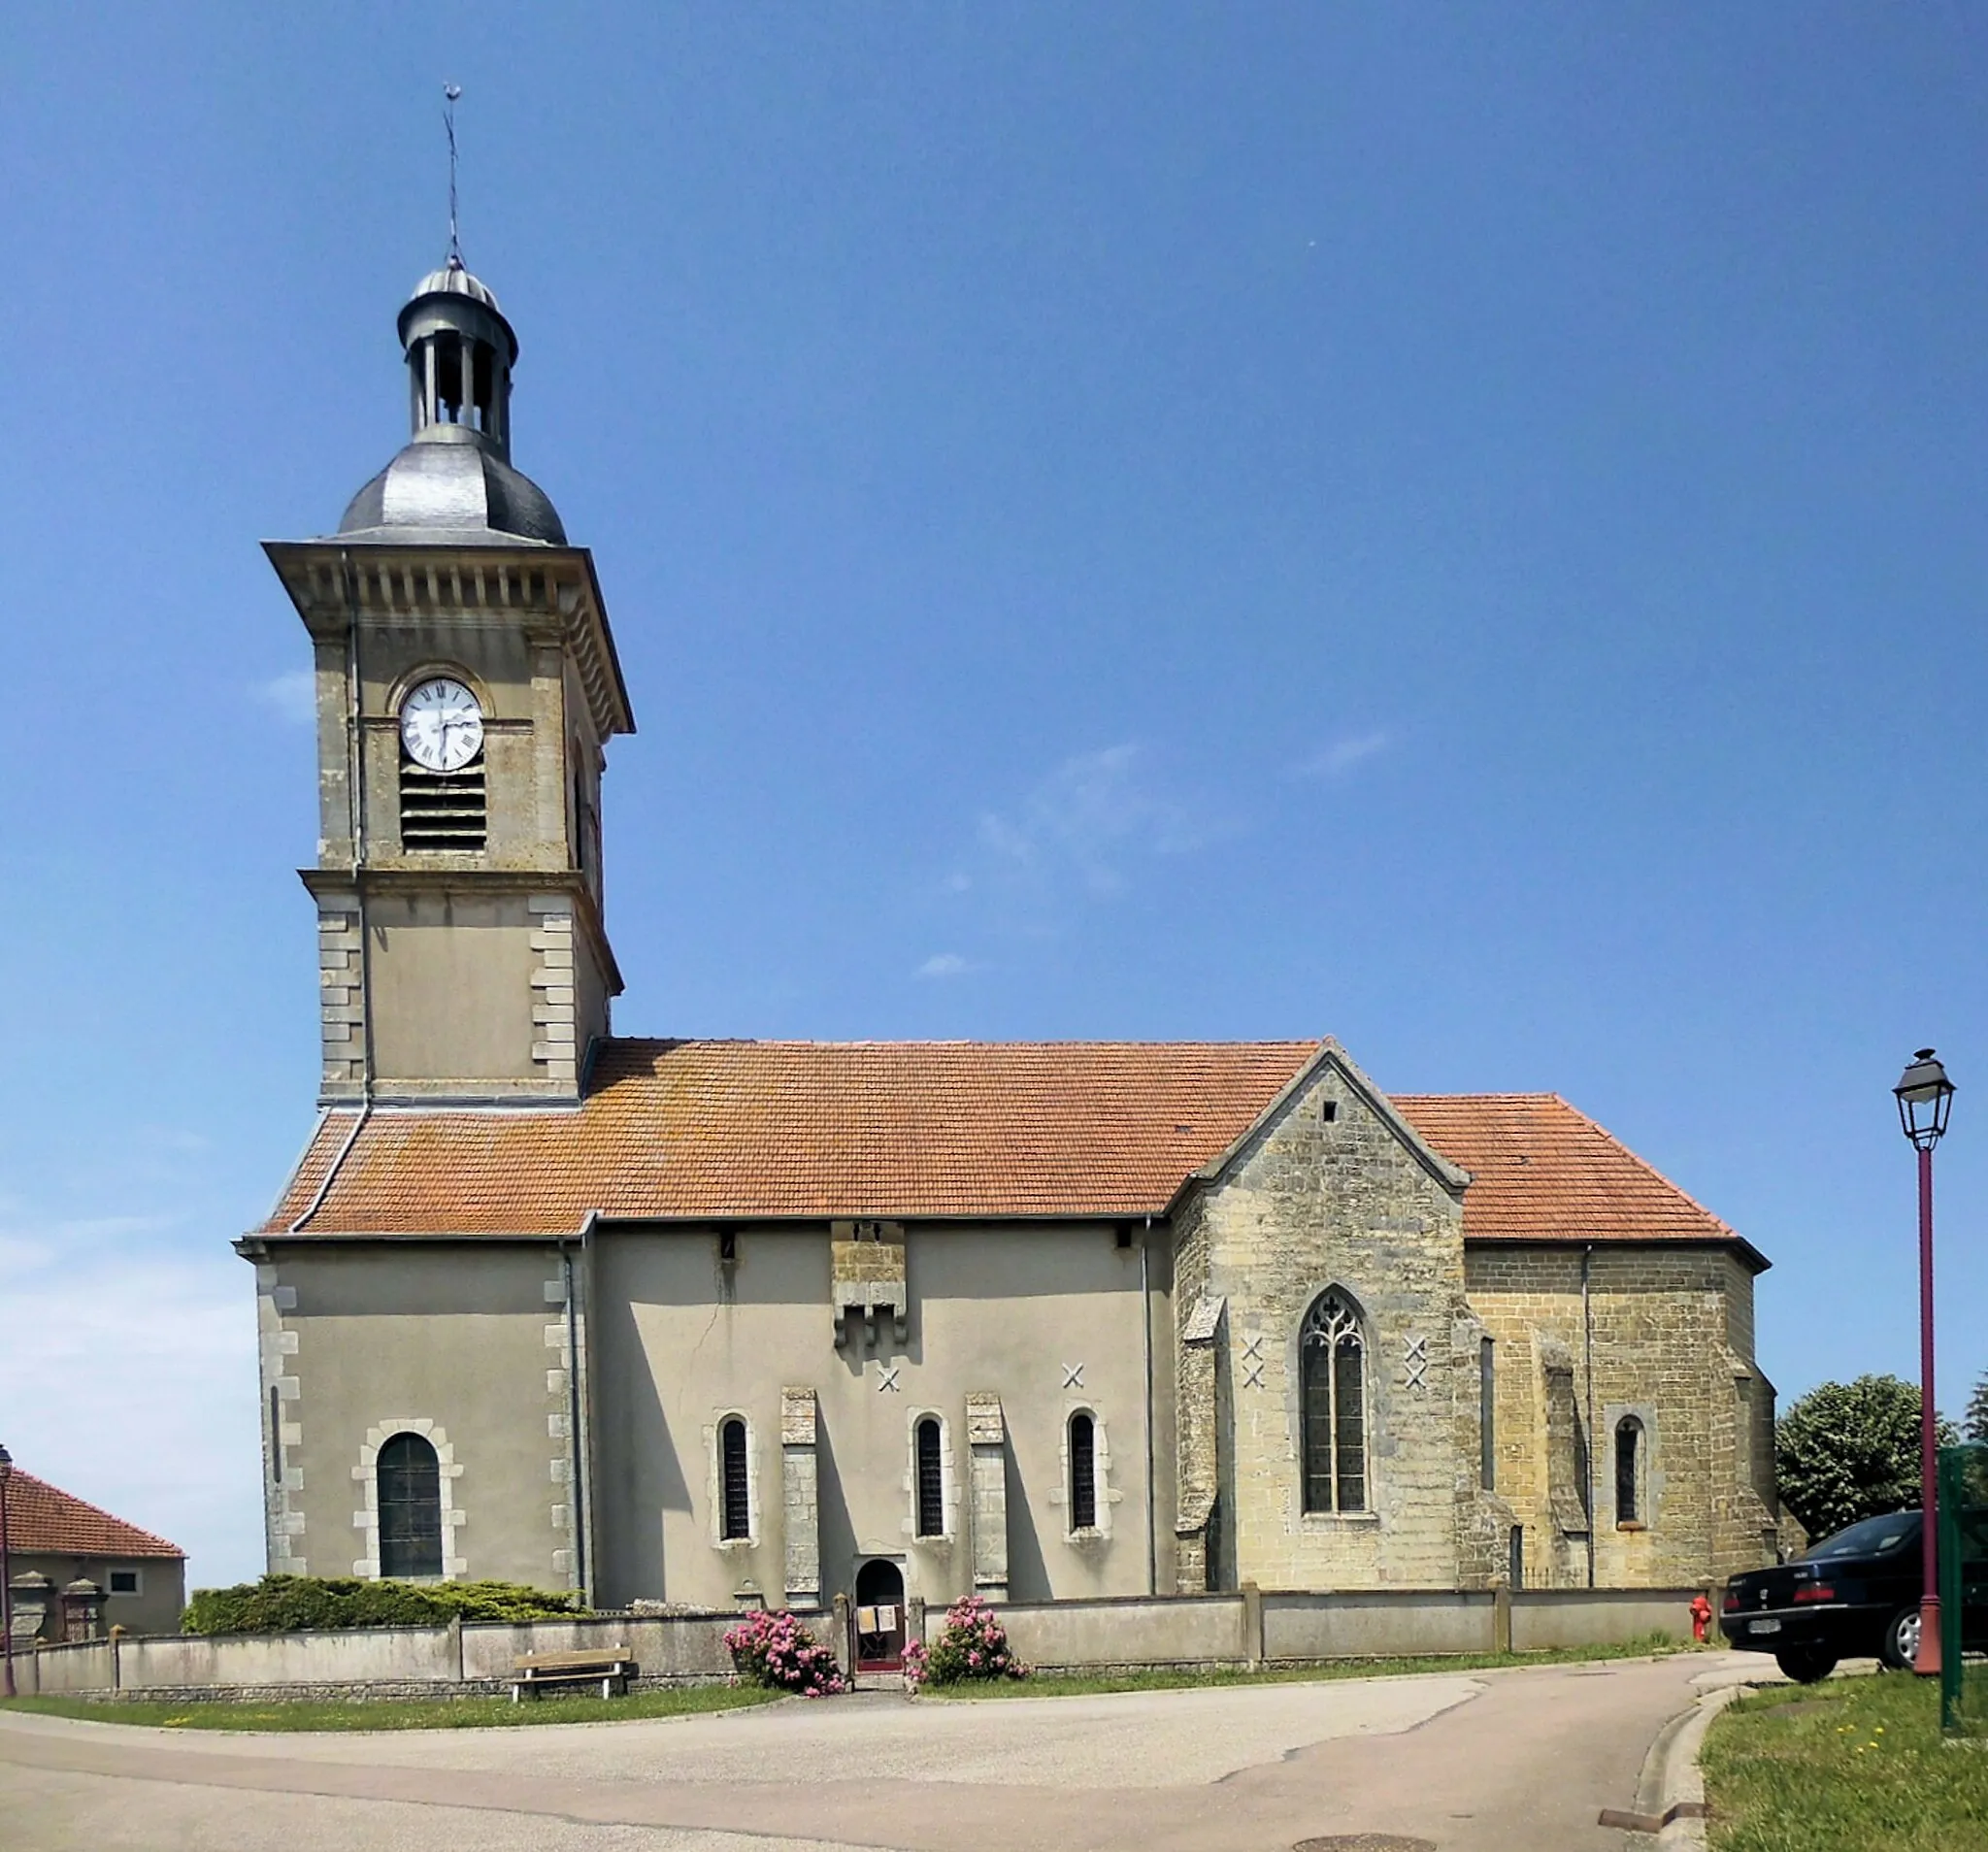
(550, 589)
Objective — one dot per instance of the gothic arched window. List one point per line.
(1332, 1365)
(409, 1484)
(1629, 1469)
(735, 1481)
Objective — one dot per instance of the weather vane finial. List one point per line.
(449, 93)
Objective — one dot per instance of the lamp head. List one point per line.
(1925, 1097)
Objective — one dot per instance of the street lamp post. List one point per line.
(6, 1580)
(1925, 1095)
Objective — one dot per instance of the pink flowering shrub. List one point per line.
(774, 1649)
(971, 1645)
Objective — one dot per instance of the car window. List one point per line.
(1868, 1537)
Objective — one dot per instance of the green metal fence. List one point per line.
(1963, 1589)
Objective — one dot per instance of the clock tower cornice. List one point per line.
(551, 592)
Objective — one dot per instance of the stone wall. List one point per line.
(1662, 1337)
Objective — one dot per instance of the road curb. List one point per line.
(1669, 1792)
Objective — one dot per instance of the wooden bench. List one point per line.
(610, 1669)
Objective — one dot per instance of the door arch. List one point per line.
(880, 1616)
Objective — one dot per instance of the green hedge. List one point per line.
(289, 1603)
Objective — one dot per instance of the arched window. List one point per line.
(931, 1479)
(410, 1491)
(1331, 1364)
(735, 1486)
(1084, 1473)
(1629, 1465)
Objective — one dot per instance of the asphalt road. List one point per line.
(1508, 1759)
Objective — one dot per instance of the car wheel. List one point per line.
(1805, 1665)
(1899, 1649)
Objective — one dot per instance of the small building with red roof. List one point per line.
(55, 1538)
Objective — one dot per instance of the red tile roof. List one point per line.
(1543, 1170)
(44, 1520)
(750, 1130)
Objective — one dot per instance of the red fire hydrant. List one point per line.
(1701, 1617)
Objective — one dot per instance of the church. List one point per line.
(710, 1323)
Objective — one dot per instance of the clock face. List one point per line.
(440, 725)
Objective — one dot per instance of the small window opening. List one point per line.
(1084, 1473)
(1487, 1408)
(275, 1436)
(738, 1511)
(1515, 1556)
(124, 1581)
(1124, 1237)
(728, 1245)
(1330, 1111)
(931, 1480)
(1628, 1471)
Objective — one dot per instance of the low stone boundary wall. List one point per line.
(1248, 1628)
(1279, 1627)
(473, 1659)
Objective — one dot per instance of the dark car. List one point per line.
(1853, 1594)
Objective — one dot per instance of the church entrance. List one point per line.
(880, 1616)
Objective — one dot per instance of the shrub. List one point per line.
(971, 1645)
(289, 1603)
(771, 1648)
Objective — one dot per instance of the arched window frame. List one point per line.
(366, 1473)
(725, 1533)
(931, 1492)
(1335, 1447)
(1630, 1461)
(1069, 1493)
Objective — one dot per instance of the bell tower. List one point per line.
(467, 688)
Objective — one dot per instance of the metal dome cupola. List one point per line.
(460, 351)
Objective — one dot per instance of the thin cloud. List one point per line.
(291, 697)
(942, 965)
(1345, 752)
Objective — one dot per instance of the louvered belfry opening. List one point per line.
(444, 810)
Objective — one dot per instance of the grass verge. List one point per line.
(391, 1713)
(1087, 1685)
(1849, 1763)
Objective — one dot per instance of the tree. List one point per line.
(1850, 1450)
(1975, 1421)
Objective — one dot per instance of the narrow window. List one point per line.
(1628, 1471)
(738, 1511)
(1333, 1375)
(276, 1437)
(410, 1492)
(1084, 1473)
(1487, 1406)
(931, 1480)
(1515, 1556)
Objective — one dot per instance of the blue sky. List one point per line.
(1458, 528)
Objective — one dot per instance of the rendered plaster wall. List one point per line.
(155, 1608)
(1048, 1318)
(1316, 1204)
(1672, 1345)
(462, 1343)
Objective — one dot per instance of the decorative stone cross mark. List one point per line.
(1072, 1375)
(1252, 1360)
(1416, 1361)
(886, 1378)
